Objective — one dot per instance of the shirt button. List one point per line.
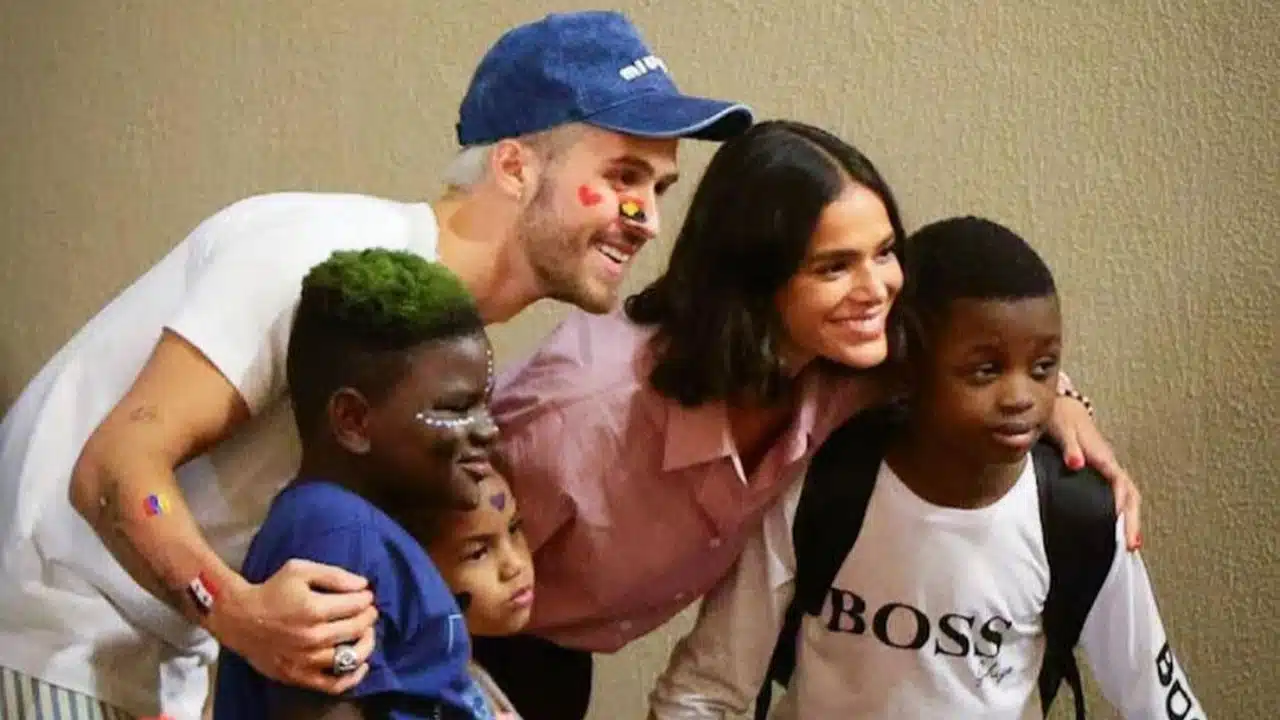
(681, 596)
(624, 626)
(715, 543)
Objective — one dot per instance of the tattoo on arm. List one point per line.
(141, 518)
(109, 512)
(159, 571)
(144, 414)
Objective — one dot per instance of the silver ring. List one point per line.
(345, 659)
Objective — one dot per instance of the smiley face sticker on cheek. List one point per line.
(632, 210)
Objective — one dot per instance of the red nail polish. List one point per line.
(1137, 545)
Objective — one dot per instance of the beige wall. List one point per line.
(1137, 143)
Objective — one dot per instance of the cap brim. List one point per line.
(660, 115)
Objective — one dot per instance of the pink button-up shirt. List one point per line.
(635, 506)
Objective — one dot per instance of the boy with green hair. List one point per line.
(389, 371)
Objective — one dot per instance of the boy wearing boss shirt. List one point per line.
(940, 609)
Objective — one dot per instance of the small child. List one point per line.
(938, 611)
(483, 556)
(389, 371)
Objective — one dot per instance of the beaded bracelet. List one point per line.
(1078, 397)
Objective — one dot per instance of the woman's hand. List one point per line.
(1081, 442)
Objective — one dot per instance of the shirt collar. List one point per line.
(696, 435)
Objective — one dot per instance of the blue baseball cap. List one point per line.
(591, 67)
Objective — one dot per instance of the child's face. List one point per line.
(991, 380)
(433, 431)
(483, 556)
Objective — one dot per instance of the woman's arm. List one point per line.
(717, 670)
(1074, 430)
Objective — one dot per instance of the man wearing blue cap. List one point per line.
(166, 419)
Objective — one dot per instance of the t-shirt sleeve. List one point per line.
(357, 549)
(1128, 650)
(244, 278)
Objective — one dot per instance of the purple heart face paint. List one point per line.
(484, 557)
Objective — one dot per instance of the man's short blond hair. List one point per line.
(471, 164)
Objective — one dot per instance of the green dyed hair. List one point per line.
(361, 316)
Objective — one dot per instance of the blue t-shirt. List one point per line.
(420, 658)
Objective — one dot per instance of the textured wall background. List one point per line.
(1137, 143)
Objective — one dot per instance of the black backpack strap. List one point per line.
(833, 501)
(1078, 515)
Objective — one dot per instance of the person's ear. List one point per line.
(514, 168)
(349, 415)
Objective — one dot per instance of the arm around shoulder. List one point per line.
(219, 359)
(178, 406)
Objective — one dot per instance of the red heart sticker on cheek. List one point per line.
(589, 197)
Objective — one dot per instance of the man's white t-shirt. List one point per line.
(936, 613)
(69, 614)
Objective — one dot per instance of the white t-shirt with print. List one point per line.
(69, 614)
(936, 613)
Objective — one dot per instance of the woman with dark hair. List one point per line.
(739, 311)
(646, 446)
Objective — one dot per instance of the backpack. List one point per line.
(1077, 512)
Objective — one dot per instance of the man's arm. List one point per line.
(1126, 645)
(717, 669)
(178, 407)
(221, 359)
